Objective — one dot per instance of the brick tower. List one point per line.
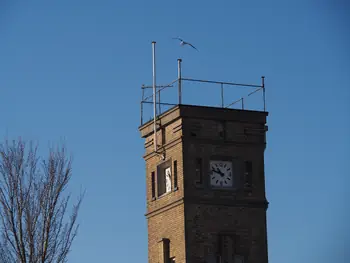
(206, 199)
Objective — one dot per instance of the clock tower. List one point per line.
(205, 183)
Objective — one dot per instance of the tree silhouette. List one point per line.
(36, 225)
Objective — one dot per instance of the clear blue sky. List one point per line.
(72, 70)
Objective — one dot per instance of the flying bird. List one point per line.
(182, 42)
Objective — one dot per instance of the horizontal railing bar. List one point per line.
(151, 87)
(169, 85)
(225, 83)
(159, 103)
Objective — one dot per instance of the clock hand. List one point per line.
(218, 171)
(221, 173)
(215, 171)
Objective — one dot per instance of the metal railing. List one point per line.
(157, 103)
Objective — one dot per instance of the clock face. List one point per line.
(221, 173)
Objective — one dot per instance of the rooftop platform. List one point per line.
(193, 93)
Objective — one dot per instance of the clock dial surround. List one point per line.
(221, 174)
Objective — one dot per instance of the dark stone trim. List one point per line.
(231, 203)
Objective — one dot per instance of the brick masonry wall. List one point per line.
(168, 224)
(165, 214)
(194, 215)
(204, 223)
(173, 151)
(209, 212)
(212, 146)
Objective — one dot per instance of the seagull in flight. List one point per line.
(183, 42)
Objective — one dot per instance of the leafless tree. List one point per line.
(35, 223)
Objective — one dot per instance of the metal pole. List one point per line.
(141, 112)
(154, 96)
(263, 88)
(159, 105)
(242, 103)
(143, 96)
(222, 95)
(179, 79)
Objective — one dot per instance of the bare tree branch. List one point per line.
(34, 206)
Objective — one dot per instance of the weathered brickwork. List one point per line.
(168, 224)
(165, 214)
(194, 216)
(238, 154)
(173, 153)
(204, 224)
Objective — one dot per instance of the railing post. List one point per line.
(143, 97)
(263, 88)
(141, 112)
(222, 95)
(159, 104)
(179, 79)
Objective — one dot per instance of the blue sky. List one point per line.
(72, 70)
